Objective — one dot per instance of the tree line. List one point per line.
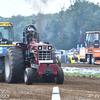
(62, 29)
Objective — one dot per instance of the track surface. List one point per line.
(80, 65)
(73, 88)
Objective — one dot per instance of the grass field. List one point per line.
(79, 74)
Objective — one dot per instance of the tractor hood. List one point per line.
(40, 46)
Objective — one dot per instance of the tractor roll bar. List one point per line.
(27, 29)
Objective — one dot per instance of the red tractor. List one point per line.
(32, 59)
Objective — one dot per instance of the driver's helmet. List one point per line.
(30, 30)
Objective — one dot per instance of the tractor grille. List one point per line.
(44, 55)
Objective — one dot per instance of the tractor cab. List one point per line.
(6, 39)
(92, 39)
(6, 33)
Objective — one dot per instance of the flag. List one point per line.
(80, 35)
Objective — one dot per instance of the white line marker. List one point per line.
(55, 94)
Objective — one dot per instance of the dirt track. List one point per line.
(78, 65)
(73, 88)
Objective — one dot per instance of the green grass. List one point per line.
(79, 74)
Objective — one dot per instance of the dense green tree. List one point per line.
(62, 29)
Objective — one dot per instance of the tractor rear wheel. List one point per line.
(14, 65)
(28, 76)
(60, 76)
(93, 59)
(88, 59)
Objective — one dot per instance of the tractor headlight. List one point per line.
(49, 47)
(39, 47)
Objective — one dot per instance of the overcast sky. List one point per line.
(9, 8)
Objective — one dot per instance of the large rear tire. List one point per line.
(88, 59)
(14, 65)
(60, 76)
(28, 76)
(93, 59)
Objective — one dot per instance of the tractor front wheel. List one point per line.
(60, 76)
(28, 76)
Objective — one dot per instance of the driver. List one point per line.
(29, 35)
(3, 40)
(1, 36)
